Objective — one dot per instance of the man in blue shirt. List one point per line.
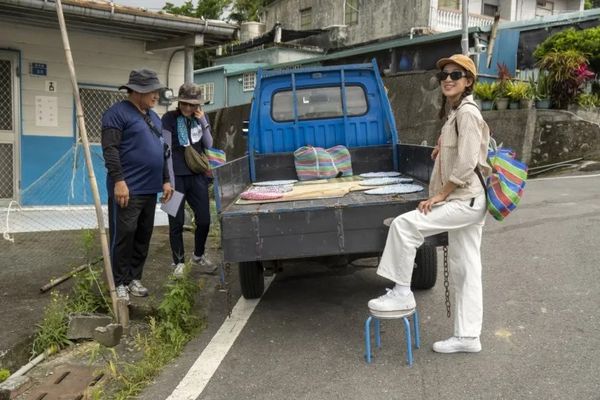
(134, 155)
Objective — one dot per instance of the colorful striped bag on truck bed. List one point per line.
(319, 163)
(504, 187)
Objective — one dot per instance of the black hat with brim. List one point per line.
(143, 81)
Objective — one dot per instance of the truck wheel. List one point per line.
(251, 279)
(425, 272)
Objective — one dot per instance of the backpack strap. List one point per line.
(477, 171)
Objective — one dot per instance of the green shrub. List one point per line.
(4, 374)
(588, 100)
(519, 90)
(586, 41)
(567, 72)
(52, 332)
(485, 91)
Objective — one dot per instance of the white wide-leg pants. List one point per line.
(464, 224)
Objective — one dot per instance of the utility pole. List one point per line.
(464, 43)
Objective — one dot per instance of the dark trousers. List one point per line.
(130, 233)
(195, 191)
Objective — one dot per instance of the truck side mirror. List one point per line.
(245, 125)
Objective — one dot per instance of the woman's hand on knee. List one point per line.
(426, 205)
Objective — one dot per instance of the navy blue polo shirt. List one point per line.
(141, 151)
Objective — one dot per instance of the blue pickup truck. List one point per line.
(323, 106)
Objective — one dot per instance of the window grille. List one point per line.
(248, 81)
(94, 102)
(208, 91)
(6, 171)
(351, 12)
(6, 96)
(306, 18)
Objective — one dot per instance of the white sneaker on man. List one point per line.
(122, 293)
(457, 344)
(179, 270)
(137, 289)
(205, 264)
(392, 304)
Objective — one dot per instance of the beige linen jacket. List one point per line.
(460, 153)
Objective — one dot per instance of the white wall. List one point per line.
(99, 60)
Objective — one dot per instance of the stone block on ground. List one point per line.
(13, 386)
(109, 335)
(81, 326)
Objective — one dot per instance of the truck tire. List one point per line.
(425, 272)
(252, 280)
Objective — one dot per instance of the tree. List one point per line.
(246, 10)
(591, 4)
(207, 9)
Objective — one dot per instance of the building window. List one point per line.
(208, 91)
(490, 9)
(248, 81)
(94, 102)
(351, 16)
(452, 4)
(306, 18)
(544, 8)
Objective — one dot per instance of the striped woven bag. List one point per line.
(504, 187)
(318, 163)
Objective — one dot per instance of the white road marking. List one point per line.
(194, 382)
(563, 177)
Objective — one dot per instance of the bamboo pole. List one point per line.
(89, 165)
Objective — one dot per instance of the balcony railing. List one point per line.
(444, 20)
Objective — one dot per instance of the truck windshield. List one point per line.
(321, 102)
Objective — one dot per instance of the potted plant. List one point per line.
(542, 91)
(520, 94)
(567, 73)
(501, 92)
(486, 92)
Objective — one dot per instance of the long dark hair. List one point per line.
(468, 90)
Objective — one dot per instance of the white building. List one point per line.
(40, 161)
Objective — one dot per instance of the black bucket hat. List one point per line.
(143, 81)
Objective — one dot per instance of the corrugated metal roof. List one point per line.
(113, 19)
(232, 69)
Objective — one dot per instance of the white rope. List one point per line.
(6, 234)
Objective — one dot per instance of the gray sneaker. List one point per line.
(179, 270)
(122, 293)
(137, 289)
(206, 265)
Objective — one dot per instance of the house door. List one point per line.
(9, 132)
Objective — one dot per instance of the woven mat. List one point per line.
(322, 189)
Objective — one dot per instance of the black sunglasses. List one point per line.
(454, 75)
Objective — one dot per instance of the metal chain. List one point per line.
(446, 282)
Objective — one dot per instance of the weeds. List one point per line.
(168, 333)
(52, 332)
(89, 292)
(4, 374)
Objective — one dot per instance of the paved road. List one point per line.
(541, 337)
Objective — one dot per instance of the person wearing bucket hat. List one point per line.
(456, 204)
(185, 127)
(134, 154)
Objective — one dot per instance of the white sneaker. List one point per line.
(458, 345)
(392, 305)
(179, 270)
(137, 289)
(206, 265)
(122, 293)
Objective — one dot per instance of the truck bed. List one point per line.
(352, 224)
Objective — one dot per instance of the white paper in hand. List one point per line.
(172, 206)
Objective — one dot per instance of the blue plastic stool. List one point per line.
(405, 319)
